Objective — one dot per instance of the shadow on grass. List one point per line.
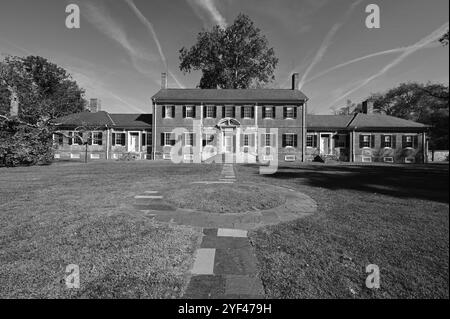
(428, 182)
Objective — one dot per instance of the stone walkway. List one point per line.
(225, 265)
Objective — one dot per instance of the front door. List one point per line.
(134, 143)
(325, 144)
(228, 143)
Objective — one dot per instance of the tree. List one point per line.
(44, 92)
(444, 39)
(423, 103)
(236, 57)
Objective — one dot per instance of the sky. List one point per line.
(123, 46)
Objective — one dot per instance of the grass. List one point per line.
(396, 217)
(224, 198)
(53, 216)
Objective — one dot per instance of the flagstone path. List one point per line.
(225, 265)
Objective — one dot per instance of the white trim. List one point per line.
(388, 159)
(128, 145)
(165, 111)
(92, 137)
(366, 159)
(184, 137)
(95, 156)
(293, 139)
(290, 158)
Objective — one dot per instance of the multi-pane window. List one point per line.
(58, 139)
(311, 140)
(210, 111)
(408, 141)
(246, 140)
(365, 141)
(387, 141)
(290, 112)
(268, 139)
(146, 138)
(118, 139)
(97, 138)
(289, 140)
(188, 139)
(189, 111)
(168, 111)
(228, 111)
(341, 141)
(75, 138)
(168, 139)
(247, 112)
(208, 139)
(268, 112)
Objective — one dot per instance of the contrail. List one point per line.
(114, 31)
(152, 31)
(434, 36)
(212, 10)
(327, 41)
(94, 84)
(372, 55)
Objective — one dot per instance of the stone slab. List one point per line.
(205, 287)
(228, 232)
(204, 261)
(235, 262)
(225, 243)
(243, 285)
(210, 232)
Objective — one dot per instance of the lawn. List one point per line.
(396, 217)
(53, 216)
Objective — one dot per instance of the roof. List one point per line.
(132, 120)
(100, 118)
(229, 95)
(328, 121)
(361, 121)
(103, 118)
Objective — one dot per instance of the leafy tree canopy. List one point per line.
(45, 91)
(444, 39)
(236, 57)
(423, 103)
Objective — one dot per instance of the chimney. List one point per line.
(94, 105)
(295, 81)
(14, 111)
(164, 80)
(367, 107)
